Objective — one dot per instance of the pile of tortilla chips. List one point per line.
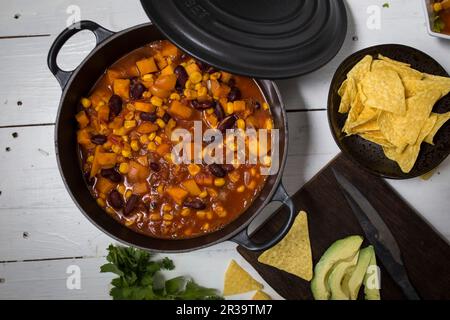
(391, 104)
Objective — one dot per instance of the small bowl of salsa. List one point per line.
(438, 12)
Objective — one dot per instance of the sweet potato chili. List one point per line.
(125, 128)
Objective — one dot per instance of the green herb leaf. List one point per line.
(139, 278)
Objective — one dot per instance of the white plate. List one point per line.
(427, 6)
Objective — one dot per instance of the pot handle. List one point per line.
(244, 240)
(100, 35)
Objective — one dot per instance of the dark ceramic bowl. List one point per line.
(75, 84)
(370, 156)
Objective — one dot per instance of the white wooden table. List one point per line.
(42, 233)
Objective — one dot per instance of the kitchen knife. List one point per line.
(378, 234)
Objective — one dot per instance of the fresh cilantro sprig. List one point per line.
(139, 278)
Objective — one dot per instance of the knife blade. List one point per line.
(378, 234)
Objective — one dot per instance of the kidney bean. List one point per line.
(227, 123)
(98, 139)
(257, 105)
(203, 66)
(228, 167)
(89, 181)
(202, 105)
(182, 75)
(231, 82)
(115, 106)
(136, 90)
(166, 117)
(217, 170)
(155, 166)
(115, 199)
(148, 116)
(235, 94)
(218, 111)
(131, 204)
(196, 204)
(111, 174)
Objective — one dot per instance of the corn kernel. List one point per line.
(160, 123)
(147, 77)
(206, 77)
(175, 96)
(156, 101)
(129, 124)
(124, 167)
(86, 102)
(201, 214)
(215, 76)
(131, 107)
(146, 94)
(253, 172)
(204, 194)
(252, 185)
(193, 169)
(135, 145)
(110, 210)
(203, 91)
(116, 149)
(125, 138)
(437, 7)
(167, 223)
(168, 157)
(188, 232)
(129, 115)
(160, 189)
(128, 194)
(126, 153)
(205, 227)
(240, 124)
(220, 211)
(198, 86)
(269, 124)
(155, 217)
(241, 189)
(122, 189)
(143, 139)
(188, 84)
(158, 139)
(210, 111)
(219, 182)
(168, 217)
(90, 159)
(152, 136)
(101, 202)
(190, 94)
(265, 106)
(151, 146)
(230, 108)
(209, 215)
(185, 212)
(102, 196)
(129, 223)
(212, 193)
(167, 207)
(195, 77)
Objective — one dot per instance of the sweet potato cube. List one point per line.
(121, 87)
(83, 137)
(163, 149)
(204, 179)
(137, 172)
(103, 113)
(82, 119)
(147, 66)
(116, 123)
(225, 77)
(177, 194)
(168, 70)
(144, 106)
(140, 188)
(160, 60)
(192, 187)
(104, 185)
(159, 92)
(166, 82)
(113, 74)
(169, 49)
(179, 110)
(239, 105)
(147, 127)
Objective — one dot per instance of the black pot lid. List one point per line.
(260, 38)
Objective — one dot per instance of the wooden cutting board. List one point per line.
(425, 254)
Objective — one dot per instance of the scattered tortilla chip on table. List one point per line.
(261, 295)
(293, 253)
(237, 280)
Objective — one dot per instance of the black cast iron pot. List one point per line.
(77, 83)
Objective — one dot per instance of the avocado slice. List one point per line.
(336, 277)
(344, 249)
(372, 271)
(357, 276)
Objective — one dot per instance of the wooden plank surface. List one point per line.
(37, 217)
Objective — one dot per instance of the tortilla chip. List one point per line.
(441, 119)
(367, 114)
(356, 109)
(261, 295)
(384, 90)
(237, 280)
(407, 159)
(402, 130)
(376, 137)
(293, 253)
(347, 91)
(404, 70)
(369, 126)
(430, 82)
(360, 70)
